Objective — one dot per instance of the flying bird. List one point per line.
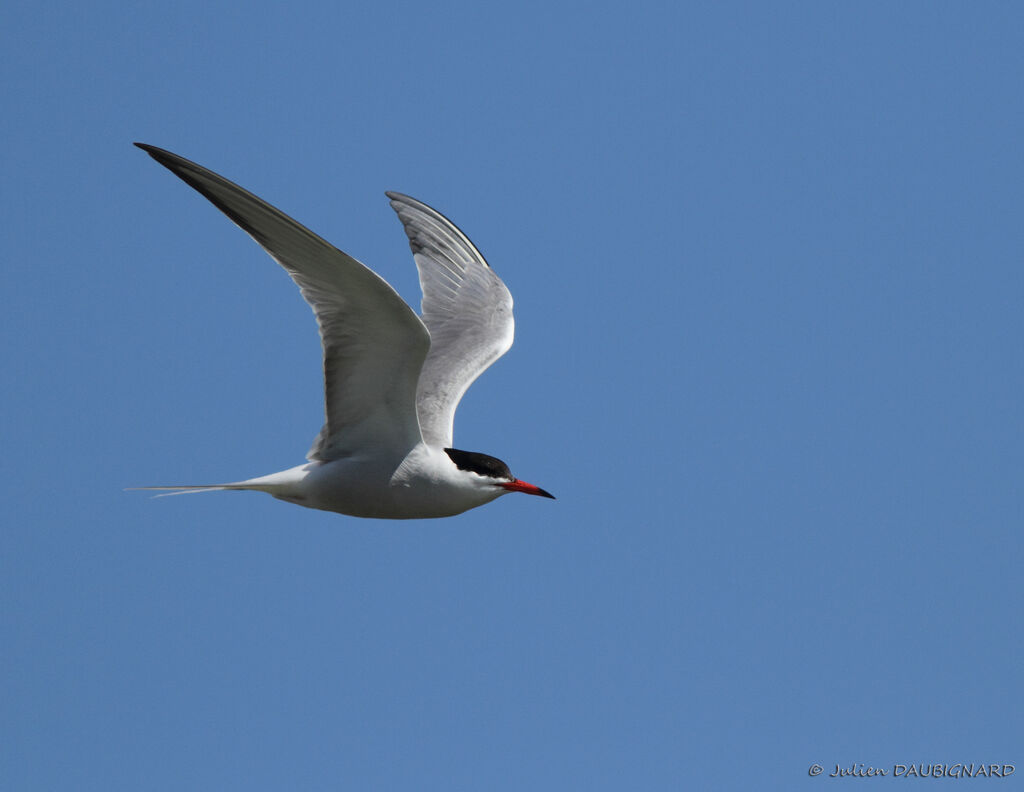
(392, 379)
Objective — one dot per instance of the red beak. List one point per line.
(529, 489)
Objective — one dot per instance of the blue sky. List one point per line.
(767, 264)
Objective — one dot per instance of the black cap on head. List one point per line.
(492, 467)
(481, 464)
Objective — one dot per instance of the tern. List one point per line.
(392, 379)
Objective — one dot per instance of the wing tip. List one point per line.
(406, 206)
(154, 151)
(397, 199)
(173, 162)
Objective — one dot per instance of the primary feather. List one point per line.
(466, 308)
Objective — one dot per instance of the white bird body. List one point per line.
(424, 484)
(392, 380)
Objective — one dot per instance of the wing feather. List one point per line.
(374, 345)
(466, 308)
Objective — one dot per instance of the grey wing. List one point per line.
(374, 345)
(466, 308)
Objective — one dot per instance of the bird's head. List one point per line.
(492, 472)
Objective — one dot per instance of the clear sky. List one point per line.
(767, 263)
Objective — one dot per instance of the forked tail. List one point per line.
(191, 489)
(276, 484)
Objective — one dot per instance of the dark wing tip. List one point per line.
(406, 206)
(200, 179)
(397, 198)
(153, 151)
(170, 160)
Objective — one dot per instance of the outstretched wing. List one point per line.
(373, 344)
(466, 308)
